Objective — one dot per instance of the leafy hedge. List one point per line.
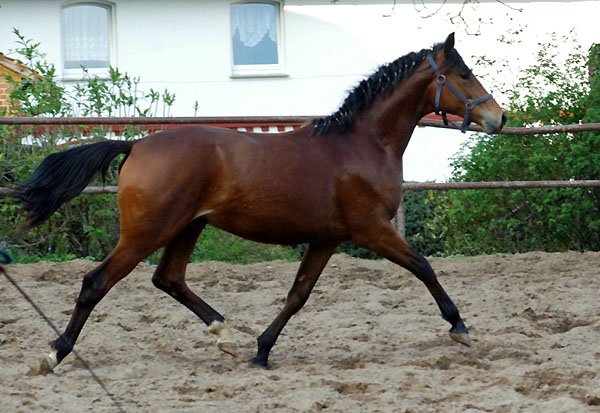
(553, 91)
(89, 225)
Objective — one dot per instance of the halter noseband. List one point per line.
(469, 103)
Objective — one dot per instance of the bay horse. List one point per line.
(334, 179)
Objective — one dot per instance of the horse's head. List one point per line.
(454, 89)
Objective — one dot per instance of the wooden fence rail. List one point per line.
(412, 186)
(232, 121)
(444, 186)
(296, 121)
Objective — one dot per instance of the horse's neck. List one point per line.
(392, 120)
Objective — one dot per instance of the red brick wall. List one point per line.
(4, 85)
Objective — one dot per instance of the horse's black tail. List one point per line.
(63, 175)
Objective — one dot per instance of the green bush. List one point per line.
(420, 214)
(552, 91)
(88, 226)
(217, 245)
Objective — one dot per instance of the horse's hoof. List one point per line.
(461, 336)
(226, 343)
(228, 347)
(46, 365)
(256, 362)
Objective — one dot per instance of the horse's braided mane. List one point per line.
(361, 97)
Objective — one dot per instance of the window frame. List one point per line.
(79, 73)
(261, 70)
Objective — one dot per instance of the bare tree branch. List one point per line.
(424, 7)
(459, 18)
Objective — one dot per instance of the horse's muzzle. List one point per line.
(493, 124)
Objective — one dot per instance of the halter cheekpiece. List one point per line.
(469, 103)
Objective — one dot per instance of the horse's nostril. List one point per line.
(503, 120)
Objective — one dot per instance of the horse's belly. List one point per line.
(283, 229)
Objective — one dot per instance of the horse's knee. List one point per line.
(294, 301)
(297, 298)
(93, 288)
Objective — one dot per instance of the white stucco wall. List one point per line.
(184, 46)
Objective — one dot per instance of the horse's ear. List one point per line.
(449, 44)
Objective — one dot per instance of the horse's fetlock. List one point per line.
(63, 347)
(264, 342)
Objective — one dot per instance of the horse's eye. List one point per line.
(465, 76)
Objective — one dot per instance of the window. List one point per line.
(86, 38)
(256, 38)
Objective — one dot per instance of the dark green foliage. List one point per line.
(420, 215)
(88, 226)
(486, 221)
(217, 245)
(353, 250)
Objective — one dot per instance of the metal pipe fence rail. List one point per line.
(412, 186)
(445, 186)
(233, 121)
(297, 121)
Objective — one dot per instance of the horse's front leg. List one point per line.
(314, 260)
(385, 241)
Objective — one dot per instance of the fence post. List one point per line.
(399, 220)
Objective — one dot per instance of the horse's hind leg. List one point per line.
(314, 260)
(390, 245)
(170, 277)
(95, 286)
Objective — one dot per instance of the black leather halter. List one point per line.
(469, 103)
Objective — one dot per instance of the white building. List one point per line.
(233, 58)
(269, 57)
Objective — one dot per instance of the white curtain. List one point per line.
(252, 21)
(86, 35)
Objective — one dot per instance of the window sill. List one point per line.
(246, 75)
(79, 75)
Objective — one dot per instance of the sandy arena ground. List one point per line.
(370, 339)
